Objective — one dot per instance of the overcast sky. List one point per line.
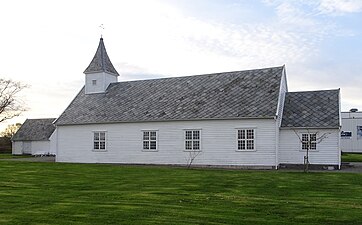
(48, 44)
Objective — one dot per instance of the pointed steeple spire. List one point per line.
(101, 62)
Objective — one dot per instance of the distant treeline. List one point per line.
(5, 145)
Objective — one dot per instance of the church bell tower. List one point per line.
(100, 72)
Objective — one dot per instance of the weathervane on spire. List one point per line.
(101, 28)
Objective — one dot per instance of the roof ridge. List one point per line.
(199, 75)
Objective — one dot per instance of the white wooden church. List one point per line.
(242, 118)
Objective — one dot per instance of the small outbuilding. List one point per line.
(34, 137)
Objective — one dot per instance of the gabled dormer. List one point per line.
(100, 72)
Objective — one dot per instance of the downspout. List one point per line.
(56, 143)
(339, 130)
(339, 148)
(276, 142)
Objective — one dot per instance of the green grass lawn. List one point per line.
(351, 157)
(56, 193)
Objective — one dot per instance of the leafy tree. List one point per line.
(11, 130)
(10, 104)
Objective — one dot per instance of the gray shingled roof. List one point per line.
(319, 109)
(101, 61)
(35, 130)
(241, 94)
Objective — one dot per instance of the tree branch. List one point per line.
(10, 105)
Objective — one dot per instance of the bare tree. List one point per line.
(309, 142)
(10, 105)
(191, 157)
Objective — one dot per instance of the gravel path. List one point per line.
(352, 167)
(33, 159)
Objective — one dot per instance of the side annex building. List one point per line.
(35, 137)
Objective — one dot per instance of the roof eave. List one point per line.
(29, 140)
(101, 71)
(291, 128)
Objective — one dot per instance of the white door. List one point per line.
(27, 147)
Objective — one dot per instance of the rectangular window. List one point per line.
(150, 140)
(99, 140)
(94, 82)
(246, 139)
(192, 140)
(309, 141)
(359, 132)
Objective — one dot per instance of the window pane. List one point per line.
(250, 144)
(241, 134)
(241, 145)
(313, 146)
(146, 135)
(304, 145)
(96, 136)
(188, 135)
(188, 145)
(102, 136)
(153, 135)
(153, 145)
(304, 137)
(96, 145)
(313, 137)
(196, 135)
(250, 134)
(146, 145)
(196, 145)
(102, 145)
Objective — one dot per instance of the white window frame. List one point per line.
(315, 141)
(245, 139)
(192, 140)
(149, 140)
(94, 82)
(99, 141)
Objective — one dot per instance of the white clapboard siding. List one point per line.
(31, 147)
(27, 147)
(124, 143)
(327, 152)
(102, 80)
(17, 147)
(40, 147)
(53, 143)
